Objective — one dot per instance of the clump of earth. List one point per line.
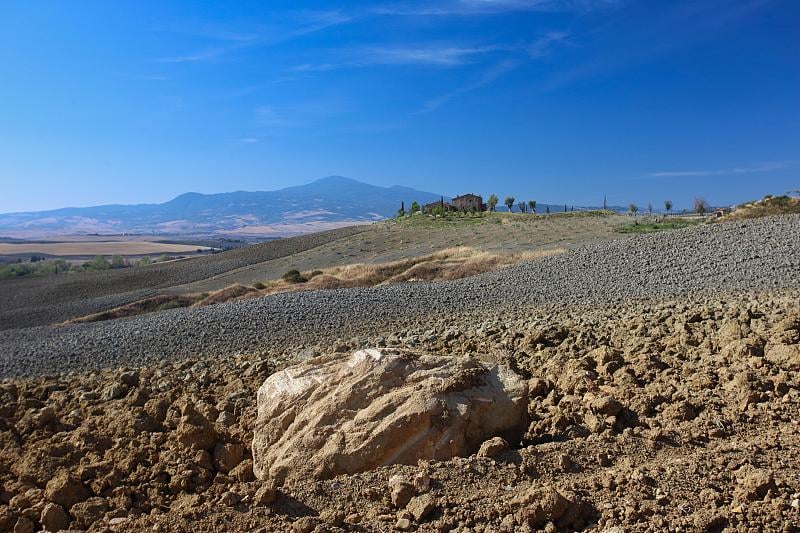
(680, 413)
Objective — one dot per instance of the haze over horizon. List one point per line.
(553, 100)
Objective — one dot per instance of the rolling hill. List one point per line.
(326, 203)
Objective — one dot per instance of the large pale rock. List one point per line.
(336, 415)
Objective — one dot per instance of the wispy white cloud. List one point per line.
(267, 116)
(754, 169)
(314, 21)
(433, 55)
(489, 7)
(249, 140)
(674, 25)
(311, 67)
(538, 49)
(145, 77)
(544, 45)
(210, 54)
(227, 40)
(299, 114)
(436, 55)
(486, 78)
(373, 127)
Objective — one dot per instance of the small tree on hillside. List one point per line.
(509, 201)
(701, 207)
(668, 205)
(650, 208)
(633, 209)
(492, 202)
(532, 205)
(523, 207)
(402, 211)
(414, 207)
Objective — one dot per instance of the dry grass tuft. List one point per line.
(228, 293)
(148, 305)
(452, 263)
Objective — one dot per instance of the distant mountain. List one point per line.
(327, 202)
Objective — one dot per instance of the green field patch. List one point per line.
(664, 225)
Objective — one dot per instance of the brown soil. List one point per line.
(677, 415)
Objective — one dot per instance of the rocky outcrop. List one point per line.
(340, 415)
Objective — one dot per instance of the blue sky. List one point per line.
(553, 100)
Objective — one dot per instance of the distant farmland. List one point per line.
(82, 249)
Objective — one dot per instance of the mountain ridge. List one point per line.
(336, 200)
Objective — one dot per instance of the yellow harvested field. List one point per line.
(66, 249)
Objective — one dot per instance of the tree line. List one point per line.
(699, 206)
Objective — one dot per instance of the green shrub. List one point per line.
(294, 276)
(118, 262)
(98, 263)
(16, 270)
(650, 227)
(315, 273)
(258, 285)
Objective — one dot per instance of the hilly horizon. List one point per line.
(325, 203)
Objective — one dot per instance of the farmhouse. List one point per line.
(428, 208)
(469, 202)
